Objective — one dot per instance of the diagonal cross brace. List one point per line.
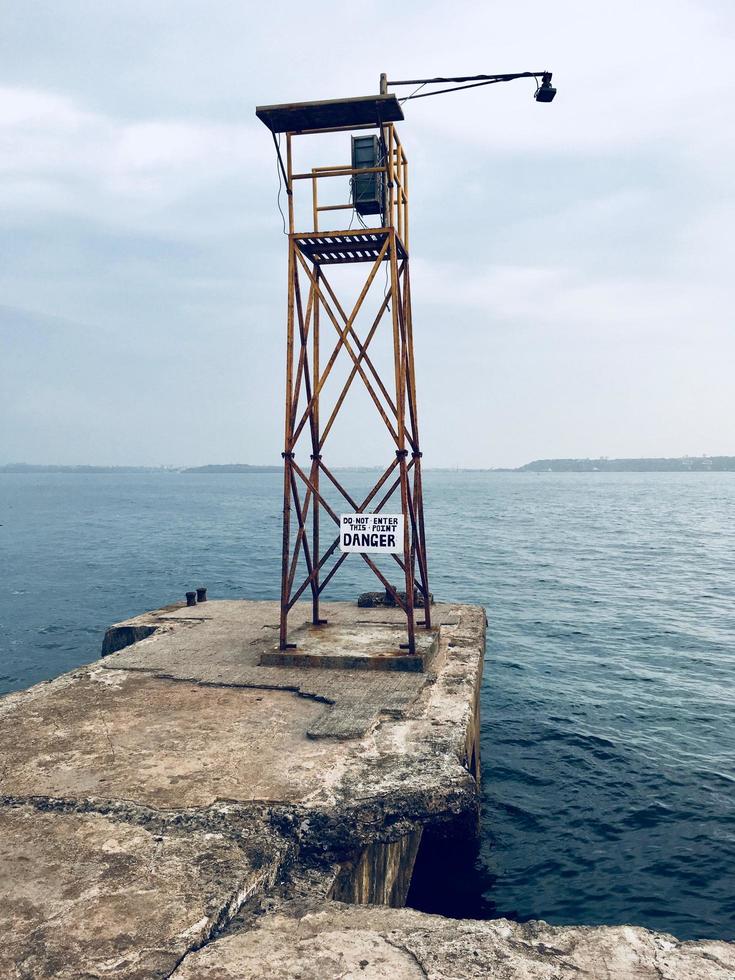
(343, 342)
(330, 551)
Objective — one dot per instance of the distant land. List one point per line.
(225, 468)
(677, 464)
(232, 468)
(43, 468)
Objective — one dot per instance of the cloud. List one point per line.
(547, 298)
(56, 156)
(571, 271)
(627, 74)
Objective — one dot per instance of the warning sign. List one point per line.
(371, 533)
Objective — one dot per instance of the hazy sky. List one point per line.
(572, 263)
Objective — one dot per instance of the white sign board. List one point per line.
(381, 533)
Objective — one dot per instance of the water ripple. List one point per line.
(608, 744)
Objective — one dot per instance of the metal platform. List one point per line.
(314, 117)
(341, 247)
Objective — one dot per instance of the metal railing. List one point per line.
(395, 170)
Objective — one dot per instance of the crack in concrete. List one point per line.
(323, 727)
(225, 817)
(398, 777)
(409, 952)
(230, 821)
(715, 959)
(224, 917)
(245, 685)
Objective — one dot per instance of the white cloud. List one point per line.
(54, 155)
(137, 195)
(548, 298)
(628, 74)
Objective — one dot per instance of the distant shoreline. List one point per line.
(226, 468)
(683, 464)
(652, 464)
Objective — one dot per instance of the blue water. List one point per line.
(608, 735)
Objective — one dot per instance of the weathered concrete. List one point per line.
(223, 643)
(369, 600)
(355, 647)
(340, 942)
(91, 894)
(178, 809)
(381, 874)
(128, 735)
(208, 776)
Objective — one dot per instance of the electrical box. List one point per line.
(368, 190)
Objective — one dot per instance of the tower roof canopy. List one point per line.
(299, 117)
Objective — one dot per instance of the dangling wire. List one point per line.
(354, 208)
(280, 183)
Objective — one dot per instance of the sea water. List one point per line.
(608, 704)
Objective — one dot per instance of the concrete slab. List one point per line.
(147, 796)
(257, 770)
(358, 647)
(116, 734)
(222, 642)
(340, 942)
(186, 717)
(87, 895)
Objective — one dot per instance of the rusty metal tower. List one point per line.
(378, 177)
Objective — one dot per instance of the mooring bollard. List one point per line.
(191, 598)
(202, 594)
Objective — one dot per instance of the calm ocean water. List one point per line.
(608, 735)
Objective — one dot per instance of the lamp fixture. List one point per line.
(546, 91)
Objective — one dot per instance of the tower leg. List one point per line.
(287, 455)
(402, 452)
(418, 499)
(407, 534)
(283, 635)
(315, 454)
(418, 491)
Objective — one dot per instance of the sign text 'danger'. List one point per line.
(371, 533)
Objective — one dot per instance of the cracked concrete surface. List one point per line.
(178, 810)
(145, 797)
(340, 942)
(130, 735)
(88, 895)
(223, 642)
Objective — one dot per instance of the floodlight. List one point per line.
(546, 91)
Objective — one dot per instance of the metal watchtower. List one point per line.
(378, 173)
(378, 176)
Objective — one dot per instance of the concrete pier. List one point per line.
(147, 796)
(187, 808)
